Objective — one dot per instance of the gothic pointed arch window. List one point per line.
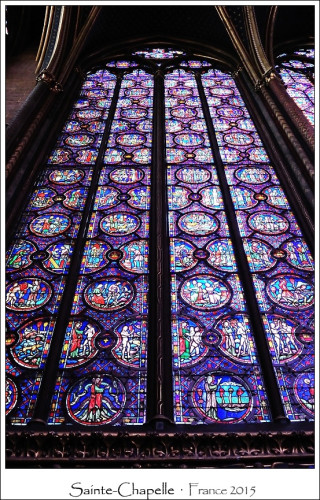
(158, 268)
(296, 69)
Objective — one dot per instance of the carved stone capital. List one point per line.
(49, 79)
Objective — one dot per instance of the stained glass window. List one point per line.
(79, 337)
(297, 73)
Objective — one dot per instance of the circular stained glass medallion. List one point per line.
(142, 156)
(120, 126)
(282, 332)
(259, 254)
(258, 155)
(119, 223)
(87, 156)
(72, 126)
(298, 254)
(246, 124)
(276, 197)
(290, 292)
(136, 92)
(205, 292)
(126, 175)
(135, 256)
(42, 198)
(212, 197)
(11, 395)
(252, 175)
(175, 155)
(110, 294)
(89, 114)
(180, 92)
(134, 113)
(113, 156)
(106, 197)
(187, 341)
(139, 197)
(238, 139)
(193, 175)
(229, 155)
(198, 223)
(79, 344)
(59, 156)
(221, 255)
(79, 140)
(50, 225)
(96, 400)
(19, 255)
(130, 139)
(304, 391)
(198, 125)
(183, 112)
(33, 337)
(203, 155)
(221, 91)
(59, 257)
(188, 139)
(221, 397)
(75, 198)
(144, 126)
(268, 223)
(94, 256)
(235, 338)
(178, 197)
(229, 112)
(130, 349)
(66, 176)
(182, 255)
(27, 294)
(243, 198)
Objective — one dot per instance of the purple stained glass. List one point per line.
(295, 74)
(112, 289)
(272, 240)
(159, 53)
(40, 254)
(204, 284)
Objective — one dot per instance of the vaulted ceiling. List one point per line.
(196, 23)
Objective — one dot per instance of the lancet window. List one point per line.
(159, 153)
(297, 73)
